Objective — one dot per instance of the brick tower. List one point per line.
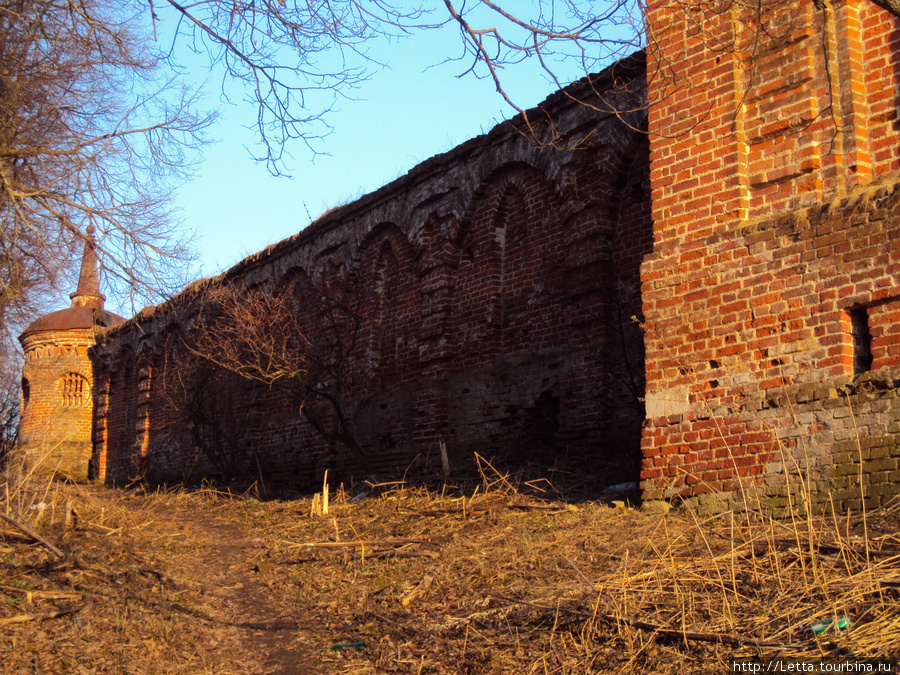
(57, 380)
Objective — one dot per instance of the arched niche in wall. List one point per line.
(171, 364)
(585, 270)
(331, 310)
(26, 394)
(145, 388)
(436, 258)
(296, 288)
(384, 281)
(507, 246)
(605, 240)
(307, 319)
(204, 424)
(324, 314)
(121, 413)
(632, 237)
(100, 423)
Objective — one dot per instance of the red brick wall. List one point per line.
(500, 292)
(772, 142)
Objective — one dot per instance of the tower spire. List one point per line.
(88, 293)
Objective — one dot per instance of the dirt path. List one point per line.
(213, 566)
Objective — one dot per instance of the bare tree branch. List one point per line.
(294, 59)
(86, 139)
(298, 340)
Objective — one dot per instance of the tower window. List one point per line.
(75, 390)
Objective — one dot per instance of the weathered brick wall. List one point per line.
(764, 386)
(775, 239)
(502, 309)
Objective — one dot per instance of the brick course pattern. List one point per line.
(500, 282)
(771, 297)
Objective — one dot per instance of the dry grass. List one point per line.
(419, 580)
(508, 585)
(115, 603)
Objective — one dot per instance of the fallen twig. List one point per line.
(539, 507)
(22, 618)
(477, 508)
(374, 554)
(393, 623)
(393, 553)
(34, 535)
(107, 530)
(354, 544)
(716, 638)
(30, 596)
(579, 573)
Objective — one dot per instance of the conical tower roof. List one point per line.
(87, 301)
(88, 293)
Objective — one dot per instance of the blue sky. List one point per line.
(406, 113)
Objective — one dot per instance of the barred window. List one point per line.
(75, 390)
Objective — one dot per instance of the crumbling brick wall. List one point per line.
(502, 312)
(772, 388)
(771, 295)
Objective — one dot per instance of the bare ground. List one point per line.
(209, 560)
(412, 580)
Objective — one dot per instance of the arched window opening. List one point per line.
(26, 393)
(75, 390)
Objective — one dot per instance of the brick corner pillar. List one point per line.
(699, 183)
